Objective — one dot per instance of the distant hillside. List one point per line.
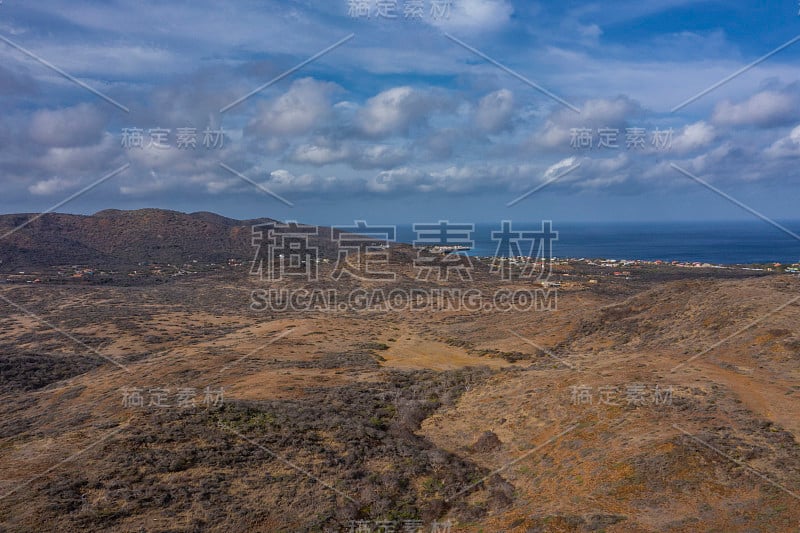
(115, 238)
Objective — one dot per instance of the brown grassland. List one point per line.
(474, 417)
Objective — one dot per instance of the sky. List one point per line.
(403, 111)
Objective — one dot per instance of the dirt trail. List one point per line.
(766, 398)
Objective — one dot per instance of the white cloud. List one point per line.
(155, 183)
(304, 107)
(788, 146)
(764, 109)
(494, 111)
(97, 158)
(694, 136)
(474, 15)
(356, 155)
(395, 110)
(595, 113)
(711, 161)
(599, 173)
(398, 179)
(218, 186)
(282, 180)
(556, 168)
(71, 126)
(380, 156)
(317, 155)
(455, 178)
(604, 111)
(51, 186)
(151, 157)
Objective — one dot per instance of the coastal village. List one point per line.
(624, 264)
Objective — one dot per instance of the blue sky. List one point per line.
(403, 123)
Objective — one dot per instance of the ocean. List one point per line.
(742, 242)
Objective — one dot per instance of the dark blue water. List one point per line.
(708, 242)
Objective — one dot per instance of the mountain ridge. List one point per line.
(113, 238)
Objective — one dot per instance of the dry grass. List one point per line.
(387, 407)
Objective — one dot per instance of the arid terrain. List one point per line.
(667, 400)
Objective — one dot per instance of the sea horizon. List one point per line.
(716, 242)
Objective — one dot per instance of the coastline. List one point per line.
(790, 268)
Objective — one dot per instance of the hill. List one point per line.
(113, 238)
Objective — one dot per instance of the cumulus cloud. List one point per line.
(475, 15)
(283, 181)
(601, 173)
(303, 108)
(98, 158)
(788, 146)
(714, 160)
(454, 178)
(395, 110)
(72, 126)
(694, 136)
(494, 111)
(51, 186)
(319, 155)
(152, 157)
(595, 113)
(595, 173)
(217, 186)
(402, 178)
(604, 111)
(466, 178)
(358, 156)
(380, 156)
(409, 137)
(765, 109)
(154, 183)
